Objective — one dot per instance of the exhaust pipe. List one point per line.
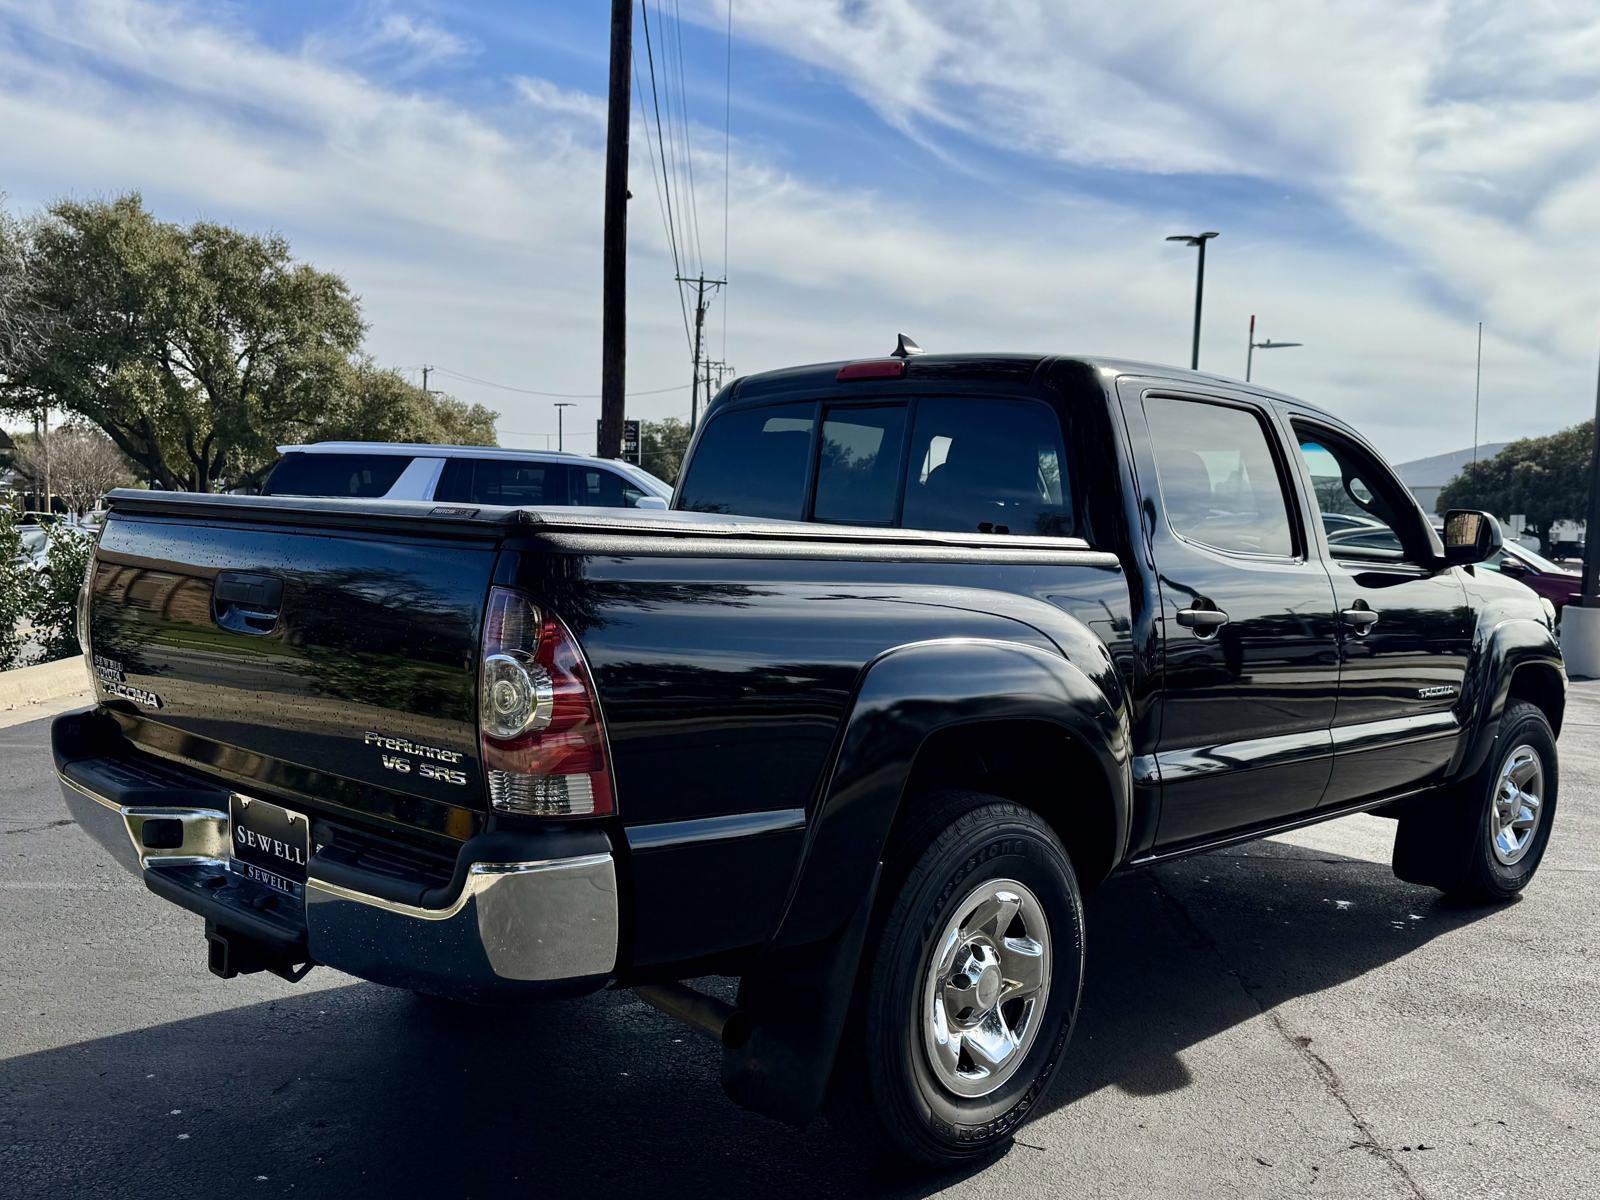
(713, 1017)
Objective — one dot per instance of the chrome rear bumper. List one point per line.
(511, 927)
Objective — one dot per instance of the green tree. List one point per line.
(1546, 479)
(663, 444)
(197, 349)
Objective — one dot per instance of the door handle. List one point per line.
(1360, 618)
(247, 603)
(1204, 621)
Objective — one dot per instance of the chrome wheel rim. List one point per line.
(1518, 805)
(984, 988)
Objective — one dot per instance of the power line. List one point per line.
(506, 387)
(668, 136)
(656, 178)
(688, 139)
(666, 174)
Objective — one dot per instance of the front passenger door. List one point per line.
(1405, 629)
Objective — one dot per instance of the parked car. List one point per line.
(35, 547)
(462, 475)
(1555, 583)
(929, 649)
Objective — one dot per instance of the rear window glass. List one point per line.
(752, 462)
(858, 475)
(362, 476)
(987, 466)
(502, 481)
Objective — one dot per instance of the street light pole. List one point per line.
(1477, 390)
(1591, 531)
(1199, 240)
(1269, 344)
(561, 432)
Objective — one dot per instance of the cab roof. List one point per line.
(1011, 369)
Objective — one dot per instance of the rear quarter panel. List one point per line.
(725, 681)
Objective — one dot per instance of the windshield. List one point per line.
(1540, 562)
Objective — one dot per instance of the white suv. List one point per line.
(462, 475)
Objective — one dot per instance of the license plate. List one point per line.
(270, 844)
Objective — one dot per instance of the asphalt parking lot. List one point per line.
(1277, 1020)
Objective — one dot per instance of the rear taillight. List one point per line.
(544, 745)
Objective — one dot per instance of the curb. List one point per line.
(57, 680)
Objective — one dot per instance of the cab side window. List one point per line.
(1365, 514)
(1219, 481)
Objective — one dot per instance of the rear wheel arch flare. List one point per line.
(1037, 763)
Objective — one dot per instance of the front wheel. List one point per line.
(1482, 841)
(969, 986)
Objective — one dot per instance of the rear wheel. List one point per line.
(1482, 841)
(969, 985)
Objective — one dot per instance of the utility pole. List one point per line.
(1477, 390)
(614, 270)
(561, 432)
(716, 372)
(701, 283)
(425, 370)
(1591, 530)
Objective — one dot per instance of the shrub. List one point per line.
(52, 605)
(15, 579)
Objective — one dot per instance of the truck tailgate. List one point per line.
(304, 650)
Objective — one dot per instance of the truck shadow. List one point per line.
(357, 1090)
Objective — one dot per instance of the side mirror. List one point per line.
(1470, 537)
(653, 502)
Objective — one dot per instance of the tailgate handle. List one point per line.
(247, 603)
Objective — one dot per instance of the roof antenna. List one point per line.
(905, 348)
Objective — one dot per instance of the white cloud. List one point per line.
(392, 39)
(550, 97)
(1464, 135)
(473, 235)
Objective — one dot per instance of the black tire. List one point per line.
(886, 1092)
(1448, 841)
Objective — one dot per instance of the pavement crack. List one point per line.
(38, 828)
(1301, 1045)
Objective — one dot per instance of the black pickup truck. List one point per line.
(928, 647)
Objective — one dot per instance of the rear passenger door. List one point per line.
(1248, 628)
(596, 487)
(506, 481)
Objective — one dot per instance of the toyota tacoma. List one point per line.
(928, 647)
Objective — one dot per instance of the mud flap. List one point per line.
(792, 1010)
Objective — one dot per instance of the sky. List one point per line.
(980, 174)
